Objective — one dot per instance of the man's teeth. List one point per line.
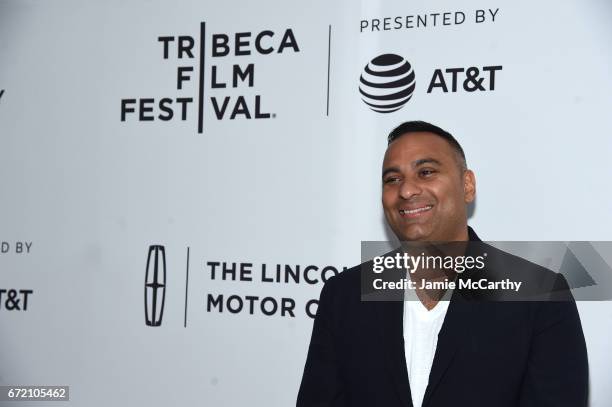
(412, 211)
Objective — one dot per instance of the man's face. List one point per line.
(425, 189)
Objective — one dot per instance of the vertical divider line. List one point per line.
(328, 65)
(186, 287)
(201, 87)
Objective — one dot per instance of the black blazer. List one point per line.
(489, 353)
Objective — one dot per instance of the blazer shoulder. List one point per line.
(537, 282)
(344, 282)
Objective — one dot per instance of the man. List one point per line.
(432, 353)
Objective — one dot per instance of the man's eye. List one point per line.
(426, 172)
(391, 180)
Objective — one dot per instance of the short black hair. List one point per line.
(421, 126)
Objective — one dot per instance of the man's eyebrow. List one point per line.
(422, 161)
(388, 170)
(414, 164)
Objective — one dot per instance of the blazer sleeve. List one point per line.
(557, 369)
(321, 384)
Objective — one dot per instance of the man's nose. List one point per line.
(409, 188)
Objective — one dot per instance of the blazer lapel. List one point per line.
(453, 332)
(451, 337)
(391, 316)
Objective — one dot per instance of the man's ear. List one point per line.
(469, 186)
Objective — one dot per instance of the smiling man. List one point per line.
(462, 352)
(426, 184)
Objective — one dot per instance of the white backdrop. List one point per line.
(91, 192)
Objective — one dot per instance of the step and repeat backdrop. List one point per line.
(178, 180)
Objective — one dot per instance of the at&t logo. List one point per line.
(387, 83)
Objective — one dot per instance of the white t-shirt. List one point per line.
(421, 329)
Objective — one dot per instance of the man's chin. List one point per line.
(415, 234)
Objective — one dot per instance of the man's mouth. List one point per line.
(415, 212)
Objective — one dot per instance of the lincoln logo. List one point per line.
(387, 83)
(155, 285)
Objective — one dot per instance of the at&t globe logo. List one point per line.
(387, 83)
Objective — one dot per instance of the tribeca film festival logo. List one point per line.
(388, 82)
(155, 285)
(215, 81)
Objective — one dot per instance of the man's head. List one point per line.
(426, 184)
